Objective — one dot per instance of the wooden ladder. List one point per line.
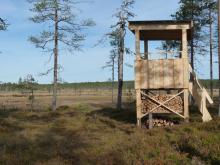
(200, 95)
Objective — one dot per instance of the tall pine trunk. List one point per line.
(219, 53)
(211, 53)
(192, 49)
(54, 102)
(113, 78)
(192, 36)
(120, 67)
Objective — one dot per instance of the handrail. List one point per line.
(200, 85)
(163, 52)
(171, 54)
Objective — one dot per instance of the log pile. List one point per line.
(175, 104)
(160, 123)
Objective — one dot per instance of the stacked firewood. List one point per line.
(175, 104)
(160, 123)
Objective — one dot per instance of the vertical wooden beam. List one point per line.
(137, 44)
(186, 91)
(184, 43)
(150, 119)
(138, 77)
(186, 105)
(138, 107)
(146, 49)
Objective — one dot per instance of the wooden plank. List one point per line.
(145, 73)
(200, 85)
(137, 44)
(146, 49)
(138, 107)
(158, 27)
(151, 74)
(142, 74)
(157, 69)
(150, 119)
(186, 105)
(138, 66)
(168, 74)
(184, 43)
(185, 73)
(178, 73)
(161, 74)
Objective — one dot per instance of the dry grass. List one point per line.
(18, 100)
(91, 134)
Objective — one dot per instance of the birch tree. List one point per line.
(62, 30)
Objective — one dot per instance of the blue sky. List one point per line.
(19, 57)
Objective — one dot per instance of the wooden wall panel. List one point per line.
(186, 73)
(138, 66)
(157, 70)
(155, 74)
(168, 73)
(145, 78)
(160, 74)
(151, 74)
(178, 73)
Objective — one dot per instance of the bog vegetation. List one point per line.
(91, 134)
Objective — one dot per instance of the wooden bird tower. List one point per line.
(163, 85)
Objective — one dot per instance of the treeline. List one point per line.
(207, 82)
(84, 85)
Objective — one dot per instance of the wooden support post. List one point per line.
(184, 43)
(186, 105)
(139, 122)
(138, 107)
(146, 49)
(137, 44)
(138, 77)
(150, 119)
(186, 91)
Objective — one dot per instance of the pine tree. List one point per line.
(122, 15)
(192, 10)
(3, 24)
(219, 54)
(63, 29)
(209, 12)
(111, 64)
(30, 84)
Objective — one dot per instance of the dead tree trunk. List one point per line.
(211, 53)
(120, 66)
(54, 102)
(113, 77)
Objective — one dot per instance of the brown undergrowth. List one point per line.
(84, 135)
